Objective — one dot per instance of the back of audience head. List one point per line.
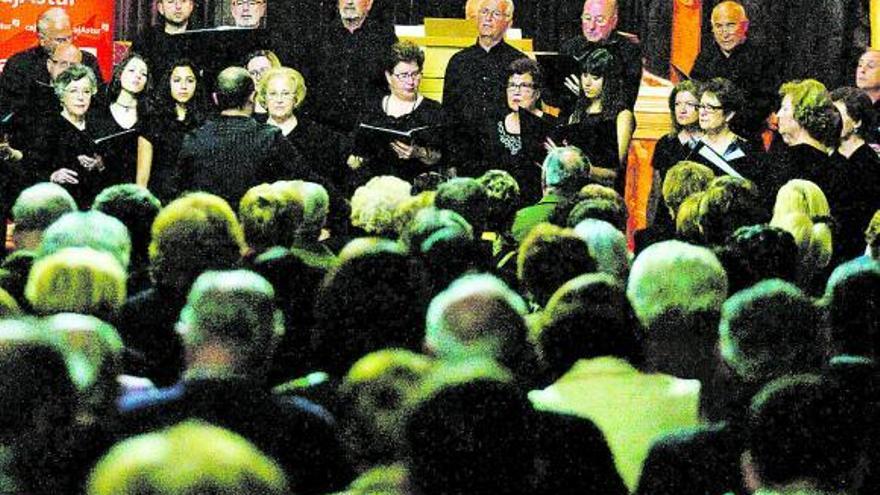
(93, 352)
(548, 257)
(38, 394)
(192, 234)
(373, 205)
(503, 199)
(378, 387)
(469, 433)
(269, 216)
(597, 209)
(803, 433)
(479, 315)
(373, 299)
(91, 229)
(565, 170)
(770, 330)
(234, 310)
(682, 180)
(35, 209)
(588, 317)
(409, 208)
(852, 298)
(188, 458)
(467, 197)
(802, 210)
(77, 280)
(727, 204)
(445, 242)
(676, 290)
(758, 252)
(607, 245)
(687, 220)
(315, 203)
(235, 88)
(134, 206)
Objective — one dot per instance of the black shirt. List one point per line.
(857, 202)
(228, 155)
(475, 82)
(25, 79)
(345, 70)
(381, 160)
(165, 133)
(667, 153)
(751, 69)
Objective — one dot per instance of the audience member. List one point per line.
(189, 457)
(607, 245)
(230, 327)
(547, 258)
(35, 209)
(851, 299)
(91, 229)
(727, 204)
(757, 252)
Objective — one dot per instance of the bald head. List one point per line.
(235, 88)
(64, 55)
(729, 25)
(54, 28)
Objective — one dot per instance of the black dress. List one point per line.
(165, 133)
(57, 143)
(596, 136)
(519, 154)
(381, 159)
(669, 151)
(857, 202)
(120, 153)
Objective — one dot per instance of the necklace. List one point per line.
(387, 99)
(127, 108)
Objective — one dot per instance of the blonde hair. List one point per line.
(293, 76)
(269, 216)
(687, 219)
(374, 204)
(813, 238)
(77, 280)
(801, 196)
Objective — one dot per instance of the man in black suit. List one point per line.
(31, 68)
(232, 152)
(230, 327)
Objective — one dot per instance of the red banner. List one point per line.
(92, 20)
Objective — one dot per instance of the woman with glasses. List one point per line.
(120, 110)
(177, 107)
(720, 148)
(403, 109)
(282, 92)
(515, 141)
(604, 123)
(63, 149)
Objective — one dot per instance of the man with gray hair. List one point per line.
(29, 70)
(564, 171)
(676, 290)
(35, 209)
(230, 327)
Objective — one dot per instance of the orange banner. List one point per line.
(93, 23)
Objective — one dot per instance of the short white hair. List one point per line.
(674, 275)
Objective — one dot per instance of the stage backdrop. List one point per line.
(93, 24)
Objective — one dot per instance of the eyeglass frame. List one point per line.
(521, 86)
(249, 3)
(404, 76)
(494, 13)
(603, 22)
(709, 107)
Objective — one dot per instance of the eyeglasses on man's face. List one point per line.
(249, 3)
(493, 13)
(524, 86)
(600, 20)
(709, 107)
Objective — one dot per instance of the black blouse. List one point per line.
(381, 160)
(165, 133)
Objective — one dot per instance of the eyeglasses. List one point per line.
(284, 95)
(520, 86)
(495, 13)
(258, 73)
(179, 2)
(62, 63)
(687, 104)
(249, 3)
(80, 92)
(600, 20)
(728, 27)
(709, 108)
(408, 76)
